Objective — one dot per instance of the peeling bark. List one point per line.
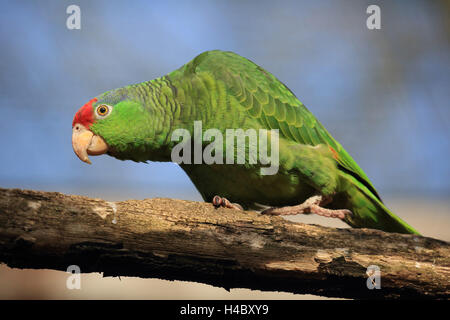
(184, 240)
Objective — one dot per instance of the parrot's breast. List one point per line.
(245, 185)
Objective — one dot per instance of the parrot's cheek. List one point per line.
(85, 143)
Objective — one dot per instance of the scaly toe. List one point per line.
(237, 206)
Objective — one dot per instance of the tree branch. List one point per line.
(192, 241)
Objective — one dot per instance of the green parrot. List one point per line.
(226, 91)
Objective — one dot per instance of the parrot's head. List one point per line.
(112, 124)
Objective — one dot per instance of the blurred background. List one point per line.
(384, 94)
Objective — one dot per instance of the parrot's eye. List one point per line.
(103, 110)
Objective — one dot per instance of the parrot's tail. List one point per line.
(369, 211)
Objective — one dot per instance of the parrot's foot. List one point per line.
(311, 205)
(224, 202)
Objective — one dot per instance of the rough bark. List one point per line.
(192, 241)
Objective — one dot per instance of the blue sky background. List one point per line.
(383, 94)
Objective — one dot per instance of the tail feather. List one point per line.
(369, 211)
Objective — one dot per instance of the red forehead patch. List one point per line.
(85, 116)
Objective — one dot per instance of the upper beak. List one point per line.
(85, 142)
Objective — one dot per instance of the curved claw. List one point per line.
(217, 201)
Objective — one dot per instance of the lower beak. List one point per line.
(85, 142)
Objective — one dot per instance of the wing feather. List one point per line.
(273, 104)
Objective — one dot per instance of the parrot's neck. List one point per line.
(175, 106)
(149, 110)
(168, 110)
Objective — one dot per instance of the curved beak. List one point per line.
(85, 142)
